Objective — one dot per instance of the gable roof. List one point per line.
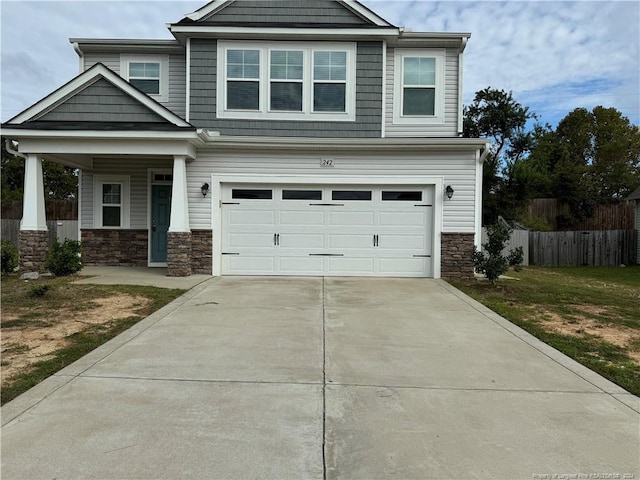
(286, 13)
(58, 105)
(635, 195)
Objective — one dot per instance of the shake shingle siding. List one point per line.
(285, 11)
(101, 102)
(368, 121)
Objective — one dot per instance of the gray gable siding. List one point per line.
(101, 102)
(368, 123)
(285, 11)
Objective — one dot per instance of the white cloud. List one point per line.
(554, 55)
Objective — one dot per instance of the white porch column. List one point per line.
(33, 213)
(179, 200)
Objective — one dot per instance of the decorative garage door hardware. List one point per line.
(276, 239)
(326, 254)
(230, 253)
(230, 203)
(376, 240)
(422, 256)
(419, 205)
(326, 204)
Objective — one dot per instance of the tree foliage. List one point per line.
(60, 182)
(496, 115)
(592, 157)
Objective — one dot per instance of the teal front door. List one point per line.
(160, 216)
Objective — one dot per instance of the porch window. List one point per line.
(111, 201)
(111, 204)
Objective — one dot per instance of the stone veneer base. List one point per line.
(202, 251)
(33, 246)
(179, 254)
(115, 248)
(457, 255)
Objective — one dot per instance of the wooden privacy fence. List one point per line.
(618, 216)
(59, 229)
(606, 248)
(519, 238)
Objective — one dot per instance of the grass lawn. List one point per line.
(49, 323)
(591, 314)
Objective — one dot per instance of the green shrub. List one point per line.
(493, 264)
(39, 290)
(9, 257)
(64, 258)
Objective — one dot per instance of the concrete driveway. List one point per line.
(312, 378)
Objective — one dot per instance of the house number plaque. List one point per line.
(326, 162)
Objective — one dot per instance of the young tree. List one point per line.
(496, 115)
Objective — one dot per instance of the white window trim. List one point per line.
(307, 84)
(125, 182)
(163, 60)
(398, 90)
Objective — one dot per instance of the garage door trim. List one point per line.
(217, 182)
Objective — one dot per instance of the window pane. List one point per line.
(286, 96)
(302, 194)
(402, 196)
(330, 66)
(136, 69)
(111, 193)
(419, 71)
(243, 63)
(243, 95)
(419, 101)
(329, 97)
(351, 195)
(150, 87)
(250, 194)
(286, 65)
(144, 70)
(110, 216)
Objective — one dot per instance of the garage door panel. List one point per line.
(351, 218)
(304, 241)
(302, 218)
(241, 217)
(403, 266)
(414, 242)
(346, 241)
(301, 264)
(414, 218)
(351, 265)
(250, 240)
(248, 264)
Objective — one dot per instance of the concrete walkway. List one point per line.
(312, 378)
(154, 277)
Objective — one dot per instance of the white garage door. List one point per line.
(318, 230)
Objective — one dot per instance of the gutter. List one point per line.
(484, 154)
(15, 153)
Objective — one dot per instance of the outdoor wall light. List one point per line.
(204, 189)
(449, 191)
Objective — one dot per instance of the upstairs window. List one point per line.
(243, 79)
(145, 76)
(419, 86)
(329, 81)
(286, 77)
(148, 73)
(286, 80)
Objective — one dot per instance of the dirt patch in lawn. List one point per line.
(581, 325)
(24, 345)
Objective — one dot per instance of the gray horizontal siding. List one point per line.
(109, 60)
(137, 171)
(101, 102)
(450, 126)
(285, 11)
(177, 77)
(368, 121)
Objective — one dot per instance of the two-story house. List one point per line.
(289, 137)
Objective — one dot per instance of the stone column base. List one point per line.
(33, 246)
(179, 254)
(457, 255)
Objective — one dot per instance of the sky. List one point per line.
(554, 56)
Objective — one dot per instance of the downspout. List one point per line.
(481, 158)
(76, 47)
(460, 104)
(15, 153)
